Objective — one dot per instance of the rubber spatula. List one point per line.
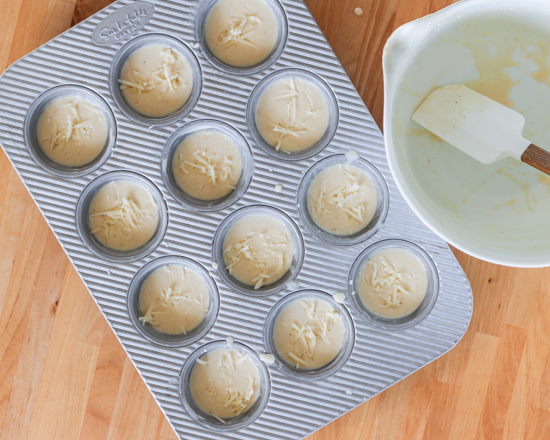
(480, 127)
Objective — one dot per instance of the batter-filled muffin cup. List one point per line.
(292, 114)
(155, 79)
(258, 250)
(224, 386)
(173, 301)
(207, 165)
(70, 130)
(394, 284)
(242, 36)
(121, 216)
(343, 201)
(310, 334)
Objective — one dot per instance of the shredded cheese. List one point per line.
(167, 302)
(286, 131)
(236, 400)
(218, 418)
(126, 217)
(166, 76)
(386, 276)
(76, 129)
(264, 255)
(131, 84)
(306, 335)
(299, 361)
(346, 197)
(241, 29)
(293, 106)
(216, 168)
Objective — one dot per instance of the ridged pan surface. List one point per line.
(295, 409)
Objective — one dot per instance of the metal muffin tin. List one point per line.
(381, 356)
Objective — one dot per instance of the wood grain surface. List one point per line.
(537, 157)
(63, 374)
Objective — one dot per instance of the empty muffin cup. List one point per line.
(250, 260)
(282, 361)
(309, 118)
(56, 152)
(159, 97)
(332, 200)
(125, 211)
(395, 285)
(214, 422)
(241, 43)
(147, 327)
(216, 160)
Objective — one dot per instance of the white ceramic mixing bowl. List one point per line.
(501, 48)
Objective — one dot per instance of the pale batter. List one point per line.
(292, 115)
(241, 33)
(207, 165)
(173, 299)
(308, 333)
(72, 131)
(258, 250)
(225, 383)
(123, 215)
(392, 283)
(156, 80)
(342, 199)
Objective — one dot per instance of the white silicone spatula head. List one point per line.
(480, 127)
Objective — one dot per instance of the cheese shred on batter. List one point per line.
(264, 257)
(76, 129)
(166, 76)
(241, 28)
(385, 275)
(346, 197)
(306, 335)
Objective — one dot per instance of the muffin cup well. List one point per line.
(208, 421)
(201, 16)
(306, 75)
(122, 56)
(168, 156)
(83, 221)
(152, 334)
(277, 286)
(425, 306)
(382, 204)
(31, 123)
(319, 373)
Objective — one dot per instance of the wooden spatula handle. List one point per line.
(537, 157)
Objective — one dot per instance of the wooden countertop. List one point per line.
(63, 374)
